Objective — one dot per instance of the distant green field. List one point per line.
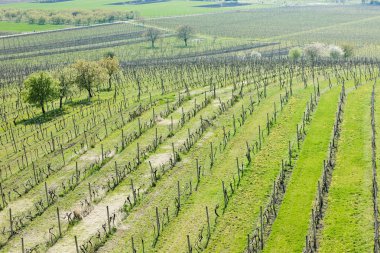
(145, 9)
(309, 23)
(164, 8)
(23, 27)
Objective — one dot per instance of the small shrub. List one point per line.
(295, 53)
(255, 55)
(42, 21)
(314, 50)
(348, 51)
(335, 52)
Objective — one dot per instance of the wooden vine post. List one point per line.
(76, 244)
(11, 222)
(59, 223)
(22, 245)
(108, 220)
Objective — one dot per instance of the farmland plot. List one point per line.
(178, 156)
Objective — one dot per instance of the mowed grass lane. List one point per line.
(14, 27)
(348, 224)
(256, 186)
(291, 226)
(377, 122)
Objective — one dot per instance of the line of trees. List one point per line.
(43, 87)
(318, 50)
(65, 17)
(183, 33)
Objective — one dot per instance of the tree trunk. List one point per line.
(43, 108)
(152, 43)
(89, 94)
(185, 42)
(60, 102)
(109, 83)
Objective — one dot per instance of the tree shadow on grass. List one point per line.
(184, 47)
(79, 102)
(43, 118)
(52, 114)
(152, 48)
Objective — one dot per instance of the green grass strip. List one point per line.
(377, 121)
(256, 185)
(348, 224)
(291, 226)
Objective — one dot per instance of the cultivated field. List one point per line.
(204, 148)
(353, 24)
(211, 133)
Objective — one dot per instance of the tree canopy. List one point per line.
(40, 88)
(295, 53)
(184, 33)
(88, 75)
(111, 65)
(66, 79)
(152, 35)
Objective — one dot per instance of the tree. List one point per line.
(348, 51)
(335, 52)
(40, 88)
(42, 20)
(88, 74)
(315, 50)
(109, 54)
(255, 55)
(295, 53)
(31, 20)
(152, 35)
(66, 80)
(111, 66)
(184, 33)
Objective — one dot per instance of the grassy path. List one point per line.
(290, 227)
(348, 224)
(258, 184)
(377, 121)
